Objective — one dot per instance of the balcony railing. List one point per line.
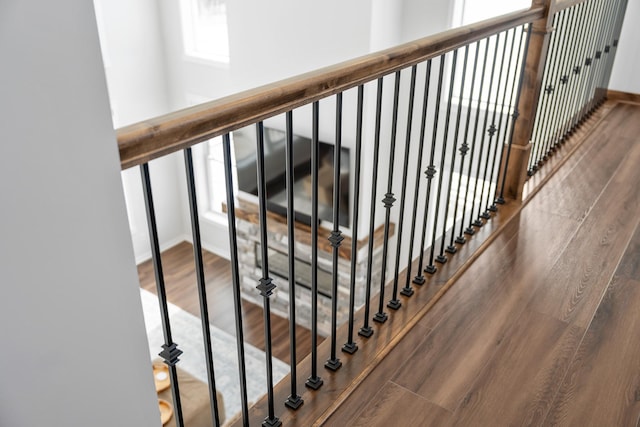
(453, 120)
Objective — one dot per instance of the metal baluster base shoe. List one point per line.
(418, 280)
(441, 259)
(350, 347)
(271, 422)
(492, 208)
(470, 231)
(394, 304)
(461, 240)
(333, 364)
(380, 317)
(365, 332)
(314, 383)
(478, 223)
(293, 402)
(407, 292)
(451, 249)
(430, 269)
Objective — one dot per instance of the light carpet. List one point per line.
(186, 330)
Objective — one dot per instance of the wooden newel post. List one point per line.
(531, 87)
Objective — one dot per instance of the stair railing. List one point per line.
(451, 128)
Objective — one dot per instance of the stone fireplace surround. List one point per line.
(248, 236)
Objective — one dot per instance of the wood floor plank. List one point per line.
(480, 309)
(361, 398)
(573, 194)
(578, 280)
(180, 282)
(602, 386)
(519, 383)
(396, 406)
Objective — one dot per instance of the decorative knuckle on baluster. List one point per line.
(464, 149)
(170, 354)
(336, 238)
(430, 172)
(266, 287)
(388, 200)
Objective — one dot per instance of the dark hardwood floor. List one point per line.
(544, 327)
(180, 281)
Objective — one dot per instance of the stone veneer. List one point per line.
(248, 234)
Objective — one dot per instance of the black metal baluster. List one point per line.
(550, 88)
(562, 92)
(610, 15)
(333, 363)
(452, 249)
(388, 201)
(294, 401)
(469, 230)
(408, 290)
(464, 149)
(350, 346)
(542, 111)
(493, 129)
(501, 145)
(595, 42)
(366, 330)
(491, 205)
(602, 66)
(490, 131)
(585, 63)
(314, 382)
(395, 303)
(574, 73)
(170, 352)
(235, 276)
(516, 112)
(202, 290)
(430, 173)
(587, 60)
(613, 44)
(266, 285)
(445, 140)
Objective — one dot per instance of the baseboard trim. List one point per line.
(615, 95)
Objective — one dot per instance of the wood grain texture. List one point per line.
(397, 406)
(180, 282)
(494, 355)
(602, 385)
(361, 399)
(615, 95)
(578, 280)
(153, 138)
(518, 384)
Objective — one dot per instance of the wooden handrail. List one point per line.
(147, 140)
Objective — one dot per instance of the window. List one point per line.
(469, 11)
(205, 30)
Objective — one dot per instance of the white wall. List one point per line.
(74, 348)
(135, 65)
(627, 64)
